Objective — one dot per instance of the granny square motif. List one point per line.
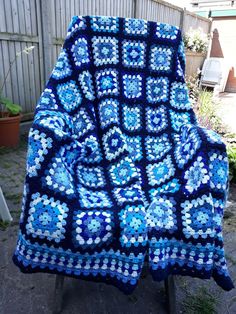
(118, 168)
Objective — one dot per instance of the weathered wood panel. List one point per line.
(194, 21)
(194, 61)
(62, 11)
(158, 11)
(43, 24)
(18, 30)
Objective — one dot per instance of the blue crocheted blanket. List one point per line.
(118, 169)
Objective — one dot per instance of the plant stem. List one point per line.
(8, 72)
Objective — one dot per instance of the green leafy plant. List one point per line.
(7, 107)
(231, 152)
(196, 40)
(4, 225)
(206, 111)
(7, 104)
(205, 107)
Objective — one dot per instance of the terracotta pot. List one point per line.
(9, 131)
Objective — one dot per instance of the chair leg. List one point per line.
(58, 292)
(171, 294)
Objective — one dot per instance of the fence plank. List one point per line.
(15, 16)
(195, 21)
(182, 20)
(27, 17)
(33, 16)
(5, 66)
(43, 23)
(40, 45)
(30, 59)
(47, 36)
(18, 37)
(20, 76)
(2, 17)
(9, 23)
(12, 55)
(21, 13)
(26, 80)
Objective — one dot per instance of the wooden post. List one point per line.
(210, 32)
(182, 20)
(134, 8)
(58, 294)
(46, 37)
(40, 41)
(171, 294)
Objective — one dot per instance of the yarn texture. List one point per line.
(118, 169)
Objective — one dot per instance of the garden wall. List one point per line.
(194, 61)
(43, 24)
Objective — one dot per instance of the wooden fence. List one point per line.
(43, 24)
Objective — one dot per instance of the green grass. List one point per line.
(7, 165)
(14, 197)
(4, 225)
(202, 302)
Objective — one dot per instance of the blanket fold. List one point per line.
(118, 169)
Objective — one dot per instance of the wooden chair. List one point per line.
(169, 287)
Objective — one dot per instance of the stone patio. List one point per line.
(33, 294)
(227, 110)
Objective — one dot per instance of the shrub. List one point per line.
(196, 40)
(206, 110)
(231, 151)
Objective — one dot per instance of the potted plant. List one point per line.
(196, 43)
(10, 112)
(9, 122)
